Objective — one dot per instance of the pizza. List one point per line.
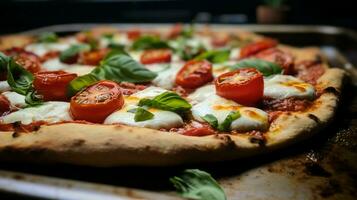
(158, 96)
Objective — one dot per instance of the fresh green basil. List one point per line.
(187, 31)
(19, 79)
(33, 99)
(214, 56)
(265, 67)
(115, 51)
(47, 37)
(226, 124)
(73, 51)
(169, 101)
(4, 60)
(117, 67)
(141, 114)
(149, 42)
(185, 49)
(199, 185)
(211, 119)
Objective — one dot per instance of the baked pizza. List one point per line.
(158, 96)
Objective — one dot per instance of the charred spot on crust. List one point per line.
(78, 142)
(225, 138)
(331, 90)
(314, 117)
(257, 137)
(16, 134)
(314, 169)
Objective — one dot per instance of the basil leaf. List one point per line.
(80, 82)
(185, 49)
(19, 79)
(33, 99)
(265, 67)
(226, 124)
(116, 67)
(214, 56)
(187, 31)
(123, 68)
(211, 119)
(169, 101)
(4, 60)
(73, 51)
(199, 185)
(141, 114)
(115, 51)
(47, 37)
(149, 42)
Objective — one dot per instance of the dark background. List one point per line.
(18, 15)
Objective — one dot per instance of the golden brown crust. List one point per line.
(118, 145)
(9, 41)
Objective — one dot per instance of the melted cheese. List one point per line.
(284, 86)
(4, 86)
(235, 54)
(16, 100)
(221, 68)
(51, 112)
(202, 94)
(250, 119)
(41, 49)
(166, 78)
(56, 64)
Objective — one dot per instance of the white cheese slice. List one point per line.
(56, 64)
(202, 93)
(135, 55)
(16, 100)
(41, 49)
(161, 119)
(166, 78)
(284, 86)
(51, 112)
(235, 54)
(149, 92)
(4, 86)
(118, 38)
(250, 119)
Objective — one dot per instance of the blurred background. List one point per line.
(18, 15)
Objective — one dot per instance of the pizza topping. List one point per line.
(97, 101)
(4, 104)
(214, 56)
(71, 54)
(195, 129)
(220, 40)
(284, 59)
(244, 86)
(256, 47)
(92, 57)
(41, 49)
(156, 56)
(194, 74)
(287, 104)
(265, 67)
(310, 71)
(285, 86)
(133, 34)
(52, 85)
(149, 42)
(16, 100)
(26, 59)
(141, 114)
(47, 37)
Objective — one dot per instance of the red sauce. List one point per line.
(288, 104)
(130, 88)
(309, 71)
(49, 55)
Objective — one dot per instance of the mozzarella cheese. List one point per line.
(135, 55)
(16, 100)
(166, 78)
(202, 94)
(284, 86)
(4, 86)
(117, 38)
(51, 112)
(235, 54)
(221, 68)
(41, 49)
(161, 119)
(56, 64)
(250, 119)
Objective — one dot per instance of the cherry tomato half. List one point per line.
(96, 102)
(52, 85)
(92, 57)
(175, 31)
(4, 104)
(256, 47)
(194, 74)
(133, 34)
(198, 131)
(30, 61)
(245, 86)
(220, 40)
(156, 56)
(284, 59)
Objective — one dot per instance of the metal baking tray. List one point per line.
(322, 167)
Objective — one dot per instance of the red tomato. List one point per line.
(175, 31)
(92, 57)
(96, 102)
(284, 59)
(201, 131)
(245, 86)
(194, 74)
(49, 55)
(256, 47)
(27, 60)
(156, 56)
(52, 85)
(133, 34)
(4, 104)
(220, 40)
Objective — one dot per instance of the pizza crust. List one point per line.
(119, 145)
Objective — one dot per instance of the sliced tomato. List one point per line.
(220, 40)
(49, 55)
(133, 34)
(201, 131)
(194, 74)
(255, 47)
(175, 31)
(245, 86)
(96, 102)
(52, 85)
(27, 60)
(156, 56)
(278, 56)
(4, 104)
(92, 57)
